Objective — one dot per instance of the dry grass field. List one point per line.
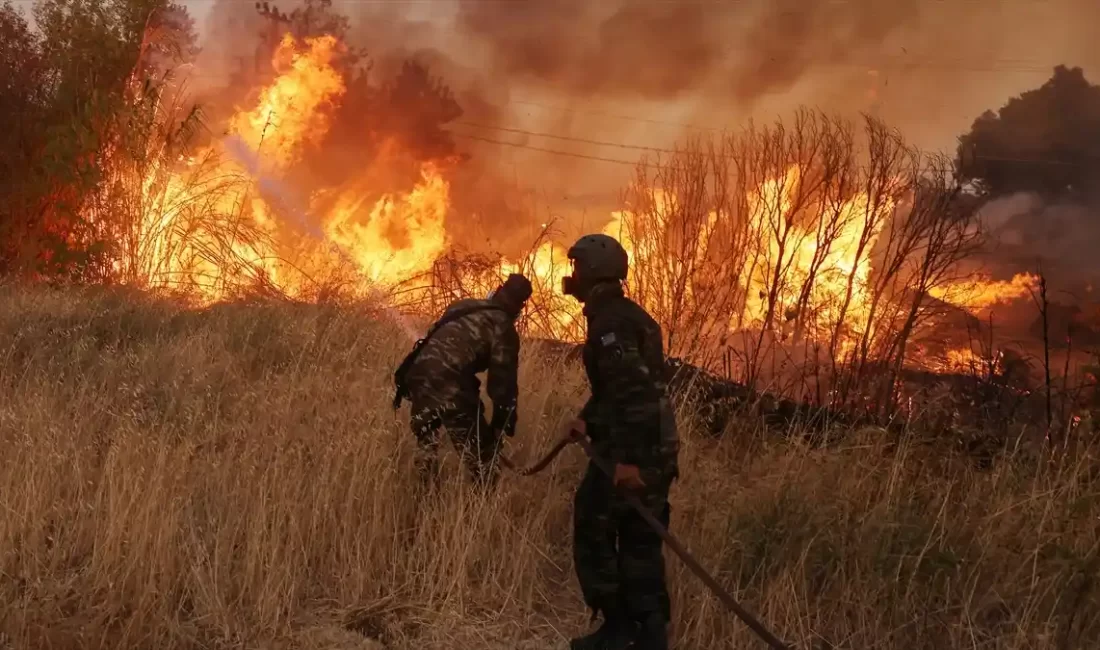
(235, 478)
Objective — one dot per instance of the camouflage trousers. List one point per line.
(617, 555)
(469, 432)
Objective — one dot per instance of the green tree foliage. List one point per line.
(75, 88)
(23, 101)
(1046, 140)
(98, 124)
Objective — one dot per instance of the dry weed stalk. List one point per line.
(800, 250)
(234, 478)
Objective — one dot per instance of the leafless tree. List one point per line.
(925, 242)
(801, 250)
(687, 251)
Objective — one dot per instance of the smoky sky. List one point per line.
(665, 49)
(926, 67)
(929, 67)
(656, 50)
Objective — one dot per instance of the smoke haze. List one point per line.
(648, 73)
(582, 68)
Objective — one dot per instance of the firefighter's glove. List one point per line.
(628, 477)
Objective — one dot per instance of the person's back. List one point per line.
(472, 336)
(445, 372)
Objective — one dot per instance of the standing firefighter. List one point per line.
(439, 377)
(630, 422)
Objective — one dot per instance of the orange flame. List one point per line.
(791, 245)
(209, 240)
(290, 112)
(212, 240)
(401, 235)
(979, 294)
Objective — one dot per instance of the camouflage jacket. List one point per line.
(628, 415)
(444, 374)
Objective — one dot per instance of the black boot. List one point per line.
(652, 633)
(616, 633)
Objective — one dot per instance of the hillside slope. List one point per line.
(235, 478)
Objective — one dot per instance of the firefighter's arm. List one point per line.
(503, 379)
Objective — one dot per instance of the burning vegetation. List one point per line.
(808, 258)
(204, 455)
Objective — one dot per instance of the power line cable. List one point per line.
(1036, 161)
(556, 152)
(552, 136)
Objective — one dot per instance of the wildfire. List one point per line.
(211, 241)
(967, 361)
(818, 270)
(401, 235)
(963, 359)
(978, 294)
(218, 222)
(289, 113)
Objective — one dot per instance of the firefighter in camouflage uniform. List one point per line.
(629, 420)
(472, 336)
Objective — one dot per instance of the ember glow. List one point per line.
(218, 223)
(980, 294)
(823, 268)
(387, 238)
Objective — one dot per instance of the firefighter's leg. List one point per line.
(425, 424)
(477, 442)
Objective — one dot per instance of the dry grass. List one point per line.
(234, 478)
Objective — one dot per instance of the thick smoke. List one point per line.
(666, 50)
(653, 50)
(639, 72)
(741, 51)
(584, 69)
(1027, 233)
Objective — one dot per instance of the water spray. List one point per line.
(273, 188)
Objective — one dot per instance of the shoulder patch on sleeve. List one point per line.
(608, 339)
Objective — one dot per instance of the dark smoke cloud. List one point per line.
(665, 49)
(1026, 231)
(792, 38)
(655, 50)
(928, 68)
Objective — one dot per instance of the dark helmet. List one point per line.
(598, 257)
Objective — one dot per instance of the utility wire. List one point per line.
(620, 145)
(556, 152)
(553, 136)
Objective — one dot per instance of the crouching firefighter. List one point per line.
(630, 424)
(439, 378)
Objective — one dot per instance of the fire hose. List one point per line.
(728, 600)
